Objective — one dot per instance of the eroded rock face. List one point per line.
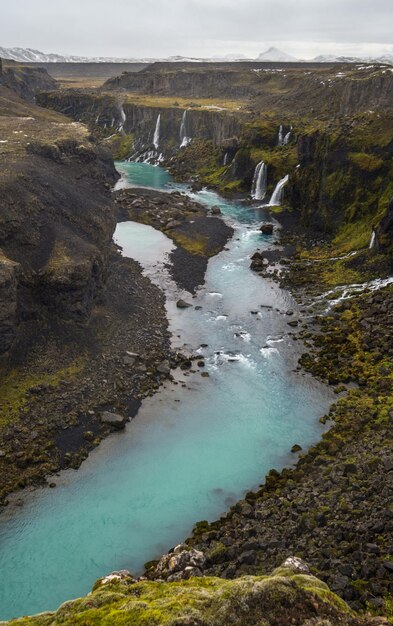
(27, 82)
(104, 112)
(384, 231)
(57, 218)
(8, 301)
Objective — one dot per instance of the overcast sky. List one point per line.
(156, 28)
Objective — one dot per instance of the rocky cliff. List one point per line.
(118, 117)
(337, 155)
(70, 305)
(27, 82)
(314, 89)
(56, 221)
(345, 178)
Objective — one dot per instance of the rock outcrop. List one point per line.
(26, 81)
(290, 595)
(8, 301)
(384, 231)
(352, 88)
(108, 113)
(57, 218)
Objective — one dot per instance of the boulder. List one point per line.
(182, 304)
(267, 229)
(297, 565)
(164, 368)
(257, 264)
(115, 577)
(180, 564)
(247, 558)
(115, 420)
(173, 224)
(215, 210)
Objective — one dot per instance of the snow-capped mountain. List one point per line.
(274, 54)
(331, 58)
(29, 55)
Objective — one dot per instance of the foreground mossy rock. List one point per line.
(287, 596)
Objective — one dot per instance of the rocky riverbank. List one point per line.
(57, 395)
(334, 508)
(197, 234)
(83, 334)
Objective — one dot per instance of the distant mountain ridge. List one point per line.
(29, 55)
(274, 54)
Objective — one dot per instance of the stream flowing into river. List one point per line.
(192, 450)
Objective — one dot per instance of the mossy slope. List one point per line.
(282, 598)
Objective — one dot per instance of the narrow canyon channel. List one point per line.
(195, 447)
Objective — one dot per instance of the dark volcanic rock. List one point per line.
(267, 229)
(8, 302)
(182, 304)
(116, 421)
(27, 82)
(197, 236)
(57, 218)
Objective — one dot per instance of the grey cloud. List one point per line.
(201, 27)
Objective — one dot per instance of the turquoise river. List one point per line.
(192, 450)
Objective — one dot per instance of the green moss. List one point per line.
(366, 162)
(211, 601)
(217, 554)
(166, 102)
(282, 159)
(195, 244)
(338, 273)
(121, 146)
(16, 385)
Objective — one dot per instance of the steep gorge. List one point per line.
(69, 304)
(339, 189)
(338, 120)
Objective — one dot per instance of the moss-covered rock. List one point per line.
(285, 597)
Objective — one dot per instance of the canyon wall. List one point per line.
(57, 217)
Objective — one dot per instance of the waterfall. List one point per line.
(287, 137)
(372, 240)
(122, 118)
(156, 138)
(226, 158)
(278, 193)
(184, 139)
(281, 136)
(258, 190)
